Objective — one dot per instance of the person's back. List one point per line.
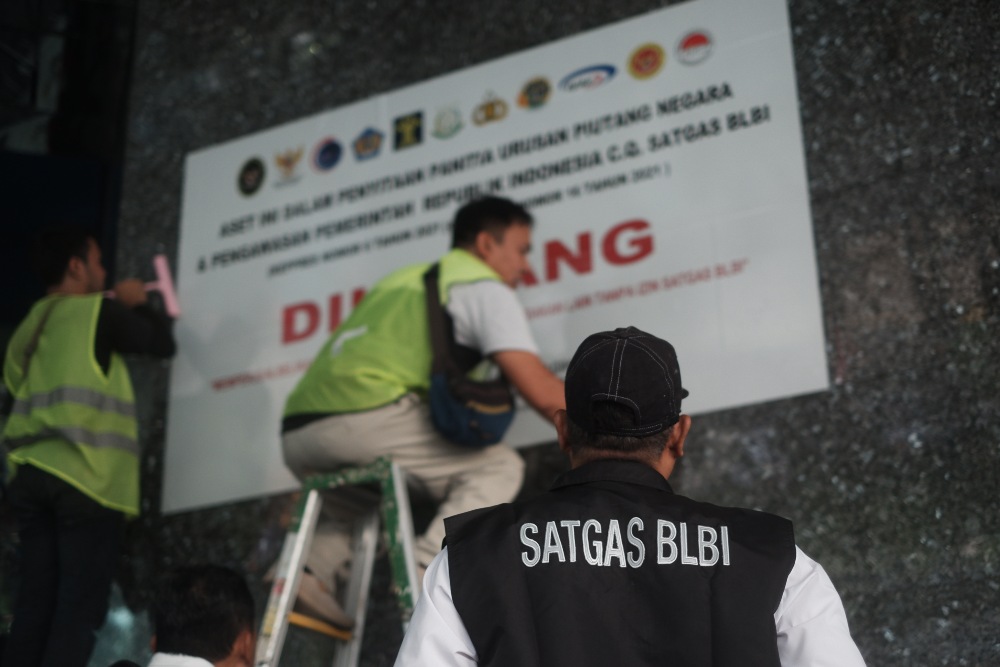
(610, 551)
(72, 418)
(610, 566)
(382, 351)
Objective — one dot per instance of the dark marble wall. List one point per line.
(890, 475)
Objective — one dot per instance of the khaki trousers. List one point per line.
(459, 478)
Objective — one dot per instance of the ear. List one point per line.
(152, 643)
(243, 647)
(678, 434)
(673, 450)
(561, 421)
(76, 268)
(484, 244)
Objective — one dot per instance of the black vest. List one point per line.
(610, 567)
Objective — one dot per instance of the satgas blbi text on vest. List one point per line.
(606, 544)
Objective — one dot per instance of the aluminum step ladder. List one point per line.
(394, 510)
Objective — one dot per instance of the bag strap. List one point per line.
(29, 349)
(435, 320)
(440, 332)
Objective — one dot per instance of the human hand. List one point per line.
(131, 292)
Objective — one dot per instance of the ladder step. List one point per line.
(310, 623)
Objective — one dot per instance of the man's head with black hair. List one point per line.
(205, 611)
(648, 448)
(54, 246)
(489, 214)
(498, 231)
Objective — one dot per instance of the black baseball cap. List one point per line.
(631, 368)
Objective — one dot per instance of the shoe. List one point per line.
(315, 600)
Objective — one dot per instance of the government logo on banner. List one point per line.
(535, 93)
(326, 154)
(368, 144)
(251, 176)
(588, 78)
(447, 123)
(491, 110)
(646, 61)
(694, 48)
(409, 130)
(287, 163)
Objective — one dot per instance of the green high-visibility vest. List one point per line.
(383, 350)
(69, 417)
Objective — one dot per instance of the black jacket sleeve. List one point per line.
(139, 330)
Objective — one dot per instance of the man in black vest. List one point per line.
(610, 567)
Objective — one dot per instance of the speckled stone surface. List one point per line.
(890, 476)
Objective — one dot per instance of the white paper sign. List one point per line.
(662, 160)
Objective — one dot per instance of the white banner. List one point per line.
(661, 157)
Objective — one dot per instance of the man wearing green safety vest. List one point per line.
(363, 395)
(71, 443)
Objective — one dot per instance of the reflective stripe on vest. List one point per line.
(79, 395)
(79, 435)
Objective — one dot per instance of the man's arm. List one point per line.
(436, 635)
(488, 317)
(534, 381)
(129, 326)
(810, 620)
